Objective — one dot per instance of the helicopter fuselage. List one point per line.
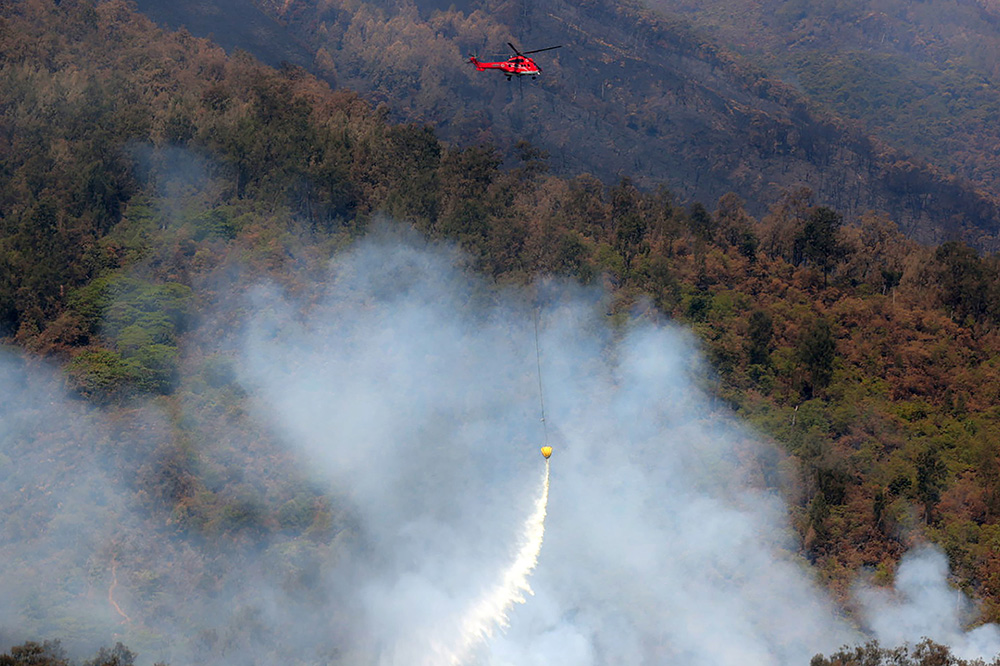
(515, 66)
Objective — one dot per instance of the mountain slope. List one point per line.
(234, 24)
(924, 75)
(151, 184)
(630, 94)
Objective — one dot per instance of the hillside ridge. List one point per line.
(631, 94)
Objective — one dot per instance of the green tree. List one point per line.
(736, 226)
(816, 351)
(760, 332)
(931, 476)
(878, 510)
(49, 653)
(701, 223)
(963, 280)
(819, 514)
(925, 653)
(465, 177)
(819, 240)
(629, 222)
(101, 374)
(414, 154)
(119, 655)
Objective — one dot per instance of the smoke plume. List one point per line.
(407, 393)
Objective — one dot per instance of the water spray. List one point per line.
(111, 590)
(491, 611)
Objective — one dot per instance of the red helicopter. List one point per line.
(517, 65)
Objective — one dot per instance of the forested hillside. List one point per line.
(922, 76)
(631, 93)
(145, 173)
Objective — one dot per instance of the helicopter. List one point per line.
(517, 65)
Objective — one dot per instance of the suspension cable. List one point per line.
(541, 393)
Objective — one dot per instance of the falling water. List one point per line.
(490, 611)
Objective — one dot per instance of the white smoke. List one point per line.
(408, 392)
(61, 514)
(657, 549)
(921, 603)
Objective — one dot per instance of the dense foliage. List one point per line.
(51, 653)
(925, 653)
(139, 166)
(921, 75)
(631, 92)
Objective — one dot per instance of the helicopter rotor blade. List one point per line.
(549, 48)
(514, 48)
